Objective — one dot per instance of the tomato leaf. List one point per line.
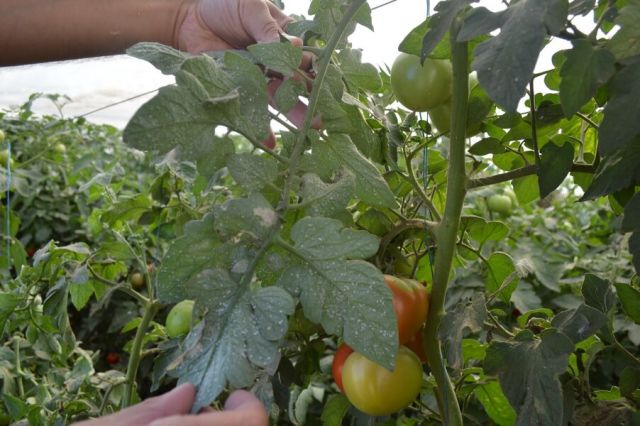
(328, 199)
(495, 403)
(528, 370)
(598, 293)
(617, 170)
(360, 75)
(241, 335)
(634, 248)
(620, 123)
(526, 189)
(487, 146)
(555, 164)
(335, 409)
(8, 302)
(252, 172)
(585, 69)
(626, 42)
(165, 58)
(440, 23)
(482, 231)
(501, 275)
(631, 220)
(505, 63)
(340, 152)
(245, 219)
(630, 300)
(469, 316)
(344, 294)
(287, 95)
(280, 57)
(480, 21)
(580, 323)
(127, 209)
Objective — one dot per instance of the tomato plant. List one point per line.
(179, 319)
(410, 303)
(377, 391)
(421, 87)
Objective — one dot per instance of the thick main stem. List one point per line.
(447, 231)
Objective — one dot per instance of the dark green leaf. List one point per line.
(528, 370)
(620, 124)
(505, 63)
(465, 316)
(360, 75)
(631, 220)
(335, 409)
(479, 22)
(580, 323)
(626, 42)
(555, 165)
(630, 300)
(347, 296)
(287, 95)
(585, 69)
(618, 170)
(127, 209)
(598, 293)
(581, 7)
(252, 217)
(634, 248)
(8, 303)
(440, 22)
(629, 381)
(252, 172)
(328, 199)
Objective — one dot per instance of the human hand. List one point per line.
(172, 408)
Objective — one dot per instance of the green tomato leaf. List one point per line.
(335, 409)
(283, 58)
(634, 248)
(631, 220)
(626, 42)
(482, 231)
(287, 95)
(617, 171)
(165, 58)
(364, 76)
(250, 218)
(528, 370)
(630, 300)
(579, 324)
(585, 69)
(340, 152)
(487, 146)
(252, 172)
(440, 23)
(344, 294)
(480, 21)
(127, 209)
(526, 189)
(196, 250)
(239, 336)
(620, 124)
(495, 403)
(505, 63)
(598, 293)
(8, 302)
(328, 199)
(465, 316)
(501, 274)
(555, 165)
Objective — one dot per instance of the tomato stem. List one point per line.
(447, 229)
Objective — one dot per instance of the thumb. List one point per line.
(258, 22)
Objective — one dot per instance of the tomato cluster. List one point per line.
(372, 388)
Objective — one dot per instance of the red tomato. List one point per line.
(411, 304)
(339, 358)
(415, 344)
(113, 358)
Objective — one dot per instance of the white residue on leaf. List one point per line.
(268, 216)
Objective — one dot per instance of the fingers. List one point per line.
(241, 408)
(258, 22)
(178, 401)
(281, 18)
(297, 113)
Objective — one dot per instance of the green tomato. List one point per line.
(376, 391)
(178, 321)
(60, 148)
(441, 116)
(4, 156)
(421, 87)
(1, 136)
(499, 203)
(137, 280)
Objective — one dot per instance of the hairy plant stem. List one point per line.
(447, 230)
(134, 360)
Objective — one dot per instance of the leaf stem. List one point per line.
(447, 229)
(134, 359)
(531, 169)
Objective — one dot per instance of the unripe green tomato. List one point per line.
(499, 203)
(60, 148)
(137, 280)
(178, 321)
(514, 199)
(2, 136)
(421, 87)
(4, 156)
(441, 116)
(376, 391)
